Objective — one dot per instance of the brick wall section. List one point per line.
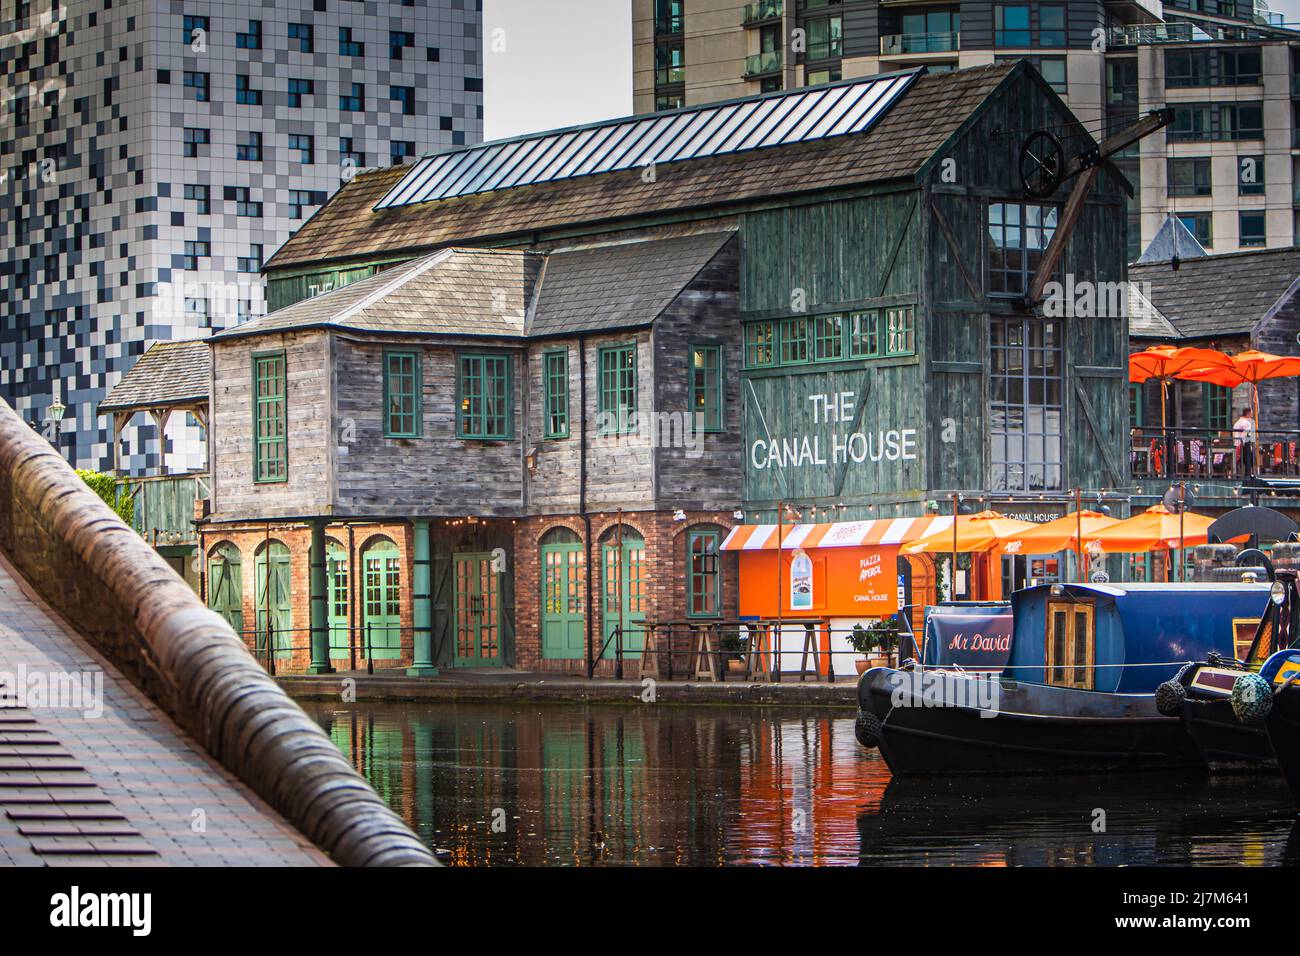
(665, 577)
(251, 539)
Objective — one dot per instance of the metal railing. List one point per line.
(897, 44)
(762, 10)
(1149, 34)
(760, 63)
(275, 646)
(1210, 453)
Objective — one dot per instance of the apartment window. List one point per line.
(484, 387)
(400, 150)
(399, 40)
(826, 75)
(670, 65)
(300, 199)
(198, 82)
(270, 419)
(668, 16)
(196, 311)
(404, 95)
(1241, 120)
(353, 101)
(1025, 404)
(618, 404)
(1250, 175)
(402, 394)
(348, 154)
(195, 249)
(794, 341)
(760, 344)
(242, 197)
(1189, 177)
(249, 147)
(555, 374)
(704, 573)
(194, 138)
(1251, 229)
(200, 195)
(828, 338)
(245, 95)
(674, 101)
(299, 88)
(1051, 68)
(1200, 225)
(300, 37)
(1240, 67)
(252, 38)
(1185, 68)
(304, 146)
(1018, 236)
(1051, 25)
(900, 331)
(825, 38)
(1192, 122)
(251, 263)
(196, 30)
(706, 386)
(349, 46)
(1011, 25)
(864, 335)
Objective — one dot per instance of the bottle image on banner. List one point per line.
(801, 582)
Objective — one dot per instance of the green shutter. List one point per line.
(270, 419)
(706, 386)
(402, 395)
(555, 375)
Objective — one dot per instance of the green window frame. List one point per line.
(794, 341)
(270, 418)
(828, 338)
(555, 383)
(760, 344)
(703, 573)
(900, 331)
(403, 393)
(483, 396)
(864, 334)
(618, 398)
(1218, 407)
(706, 370)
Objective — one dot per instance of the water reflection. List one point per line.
(583, 785)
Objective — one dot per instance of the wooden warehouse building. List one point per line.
(606, 347)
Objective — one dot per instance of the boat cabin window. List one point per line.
(1071, 644)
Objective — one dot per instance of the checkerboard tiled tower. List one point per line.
(154, 152)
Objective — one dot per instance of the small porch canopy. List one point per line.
(835, 534)
(169, 377)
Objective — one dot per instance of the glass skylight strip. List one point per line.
(774, 119)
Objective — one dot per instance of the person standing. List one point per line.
(1243, 433)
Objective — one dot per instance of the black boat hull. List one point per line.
(1283, 725)
(1033, 729)
(1222, 741)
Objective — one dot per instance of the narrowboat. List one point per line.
(1202, 693)
(1077, 693)
(1278, 688)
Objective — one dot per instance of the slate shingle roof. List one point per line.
(1219, 295)
(168, 373)
(932, 109)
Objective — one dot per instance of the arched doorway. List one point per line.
(336, 580)
(564, 583)
(226, 585)
(623, 591)
(274, 600)
(382, 627)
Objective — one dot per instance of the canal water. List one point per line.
(578, 785)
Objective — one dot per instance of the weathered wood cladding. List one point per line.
(928, 247)
(307, 375)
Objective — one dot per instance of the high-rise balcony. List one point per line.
(898, 44)
(1150, 34)
(668, 25)
(762, 11)
(761, 64)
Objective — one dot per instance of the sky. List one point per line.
(553, 63)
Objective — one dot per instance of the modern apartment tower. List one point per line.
(154, 152)
(1229, 167)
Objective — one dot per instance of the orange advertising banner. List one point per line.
(821, 582)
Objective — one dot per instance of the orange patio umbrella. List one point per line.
(1063, 534)
(1166, 362)
(1250, 366)
(978, 532)
(1156, 529)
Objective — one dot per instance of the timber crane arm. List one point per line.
(1084, 169)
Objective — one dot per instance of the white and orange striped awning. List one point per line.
(836, 534)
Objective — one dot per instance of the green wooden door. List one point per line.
(336, 579)
(478, 625)
(274, 604)
(226, 586)
(382, 628)
(564, 581)
(624, 575)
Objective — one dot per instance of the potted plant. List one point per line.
(734, 646)
(862, 641)
(876, 643)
